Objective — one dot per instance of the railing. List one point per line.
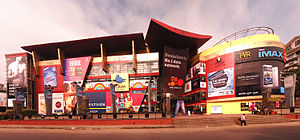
(93, 116)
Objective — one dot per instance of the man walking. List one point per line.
(243, 120)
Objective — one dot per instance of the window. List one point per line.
(291, 55)
(288, 48)
(297, 42)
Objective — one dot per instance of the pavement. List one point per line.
(119, 124)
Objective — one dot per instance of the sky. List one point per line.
(28, 22)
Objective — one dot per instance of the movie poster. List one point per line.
(50, 78)
(221, 83)
(16, 73)
(75, 71)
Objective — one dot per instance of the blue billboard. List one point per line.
(97, 103)
(50, 78)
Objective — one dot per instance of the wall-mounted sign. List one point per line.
(188, 87)
(221, 83)
(174, 70)
(121, 80)
(50, 78)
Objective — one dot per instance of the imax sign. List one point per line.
(264, 53)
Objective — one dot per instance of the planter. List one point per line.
(29, 116)
(70, 116)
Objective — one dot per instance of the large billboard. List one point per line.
(221, 83)
(174, 70)
(16, 73)
(75, 71)
(199, 68)
(220, 77)
(97, 102)
(257, 69)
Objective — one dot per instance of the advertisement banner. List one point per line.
(258, 54)
(97, 102)
(20, 97)
(174, 70)
(129, 101)
(221, 83)
(216, 109)
(195, 83)
(253, 77)
(188, 87)
(76, 68)
(16, 74)
(3, 99)
(121, 80)
(75, 71)
(50, 78)
(202, 82)
(199, 68)
(41, 104)
(58, 103)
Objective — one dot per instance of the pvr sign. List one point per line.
(121, 80)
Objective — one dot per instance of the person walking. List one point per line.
(243, 120)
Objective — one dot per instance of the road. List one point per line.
(289, 131)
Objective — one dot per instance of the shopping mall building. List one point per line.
(126, 73)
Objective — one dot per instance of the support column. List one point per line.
(104, 58)
(61, 57)
(134, 60)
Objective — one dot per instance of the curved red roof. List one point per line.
(160, 34)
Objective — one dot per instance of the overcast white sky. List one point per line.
(27, 22)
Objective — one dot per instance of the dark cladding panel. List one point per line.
(174, 70)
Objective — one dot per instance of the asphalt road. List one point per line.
(288, 131)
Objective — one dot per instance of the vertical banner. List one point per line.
(16, 73)
(50, 78)
(3, 99)
(75, 71)
(48, 101)
(41, 104)
(174, 70)
(57, 103)
(20, 97)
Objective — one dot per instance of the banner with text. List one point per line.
(174, 70)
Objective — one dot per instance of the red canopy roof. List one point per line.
(160, 34)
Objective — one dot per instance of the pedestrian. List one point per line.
(243, 120)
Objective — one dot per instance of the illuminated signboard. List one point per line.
(121, 80)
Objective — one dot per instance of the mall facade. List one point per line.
(130, 73)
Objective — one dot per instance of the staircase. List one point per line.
(196, 121)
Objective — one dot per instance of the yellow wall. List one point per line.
(254, 41)
(230, 107)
